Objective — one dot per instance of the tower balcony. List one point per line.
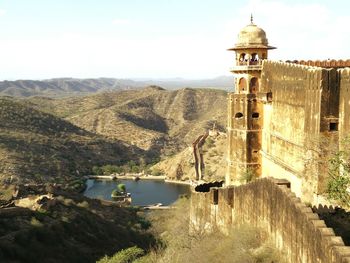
(247, 65)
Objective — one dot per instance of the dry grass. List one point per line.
(244, 244)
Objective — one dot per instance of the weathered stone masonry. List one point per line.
(292, 226)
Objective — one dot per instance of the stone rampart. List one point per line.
(292, 226)
(329, 63)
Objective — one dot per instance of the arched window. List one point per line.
(239, 115)
(241, 57)
(242, 84)
(254, 59)
(254, 85)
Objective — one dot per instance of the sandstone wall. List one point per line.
(304, 102)
(344, 105)
(292, 226)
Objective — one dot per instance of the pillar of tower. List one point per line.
(244, 108)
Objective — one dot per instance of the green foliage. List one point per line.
(121, 187)
(97, 170)
(124, 256)
(338, 186)
(144, 223)
(130, 166)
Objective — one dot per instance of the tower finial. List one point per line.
(251, 18)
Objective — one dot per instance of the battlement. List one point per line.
(278, 74)
(329, 63)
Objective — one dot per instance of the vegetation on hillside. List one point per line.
(129, 167)
(71, 229)
(158, 121)
(37, 146)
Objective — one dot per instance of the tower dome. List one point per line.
(251, 36)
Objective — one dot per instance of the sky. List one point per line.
(41, 39)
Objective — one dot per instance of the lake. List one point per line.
(143, 192)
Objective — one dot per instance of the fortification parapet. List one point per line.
(292, 226)
(329, 63)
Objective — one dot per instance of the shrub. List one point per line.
(124, 256)
(97, 170)
(157, 172)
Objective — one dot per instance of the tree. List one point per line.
(122, 188)
(338, 186)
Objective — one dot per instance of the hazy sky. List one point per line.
(159, 38)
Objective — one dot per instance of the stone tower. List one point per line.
(245, 116)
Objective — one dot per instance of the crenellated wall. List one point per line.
(323, 63)
(292, 226)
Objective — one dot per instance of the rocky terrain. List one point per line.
(181, 165)
(156, 120)
(44, 223)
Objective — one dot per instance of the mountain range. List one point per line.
(63, 87)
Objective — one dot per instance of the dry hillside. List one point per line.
(153, 119)
(181, 165)
(37, 146)
(57, 139)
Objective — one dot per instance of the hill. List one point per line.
(159, 121)
(64, 87)
(46, 224)
(37, 146)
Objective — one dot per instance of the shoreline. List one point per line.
(127, 177)
(142, 177)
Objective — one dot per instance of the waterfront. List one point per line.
(143, 192)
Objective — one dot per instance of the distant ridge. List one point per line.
(63, 87)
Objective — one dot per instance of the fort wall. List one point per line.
(292, 226)
(344, 105)
(304, 106)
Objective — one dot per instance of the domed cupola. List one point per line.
(251, 36)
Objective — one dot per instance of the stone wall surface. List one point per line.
(305, 101)
(294, 229)
(344, 105)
